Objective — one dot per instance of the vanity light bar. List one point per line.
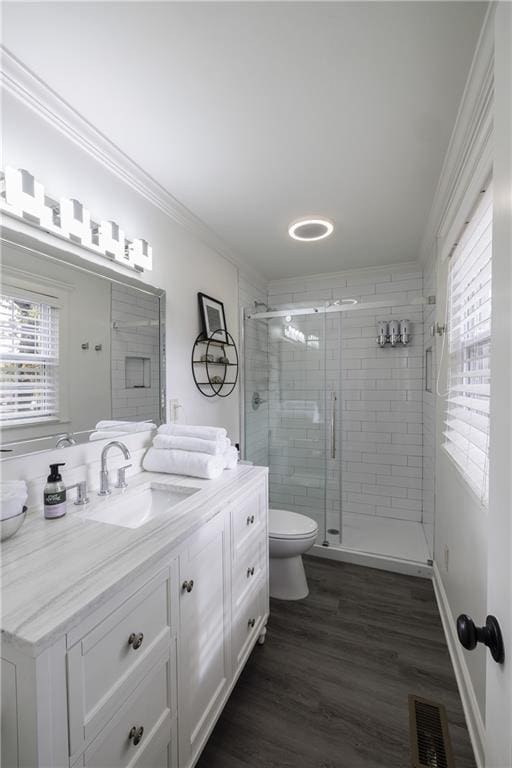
(24, 198)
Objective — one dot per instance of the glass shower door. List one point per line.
(300, 413)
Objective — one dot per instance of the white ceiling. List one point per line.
(254, 114)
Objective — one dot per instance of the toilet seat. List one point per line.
(284, 524)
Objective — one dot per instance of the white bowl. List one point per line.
(9, 526)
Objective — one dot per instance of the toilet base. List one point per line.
(288, 578)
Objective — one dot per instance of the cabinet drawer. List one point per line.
(249, 518)
(249, 568)
(247, 621)
(149, 709)
(110, 660)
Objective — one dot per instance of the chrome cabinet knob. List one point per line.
(135, 640)
(136, 734)
(188, 586)
(250, 519)
(251, 623)
(250, 572)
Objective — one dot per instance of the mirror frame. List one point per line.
(22, 235)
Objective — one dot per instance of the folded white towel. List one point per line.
(105, 434)
(231, 458)
(196, 444)
(184, 463)
(125, 426)
(186, 430)
(13, 497)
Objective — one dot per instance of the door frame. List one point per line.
(498, 753)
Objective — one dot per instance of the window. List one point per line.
(29, 358)
(466, 424)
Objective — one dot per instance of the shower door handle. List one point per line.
(333, 425)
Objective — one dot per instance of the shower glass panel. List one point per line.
(291, 396)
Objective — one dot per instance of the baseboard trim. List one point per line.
(474, 720)
(381, 562)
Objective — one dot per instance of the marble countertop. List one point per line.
(53, 572)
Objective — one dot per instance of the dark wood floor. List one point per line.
(329, 687)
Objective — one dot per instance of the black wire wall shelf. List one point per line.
(216, 370)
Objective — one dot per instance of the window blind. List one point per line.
(29, 359)
(466, 423)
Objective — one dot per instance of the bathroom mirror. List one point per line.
(81, 345)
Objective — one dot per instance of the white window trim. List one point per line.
(20, 282)
(479, 493)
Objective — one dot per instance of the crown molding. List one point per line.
(470, 143)
(35, 94)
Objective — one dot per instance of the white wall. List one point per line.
(183, 264)
(499, 596)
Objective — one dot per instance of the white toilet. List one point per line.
(290, 536)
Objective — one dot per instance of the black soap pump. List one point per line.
(54, 494)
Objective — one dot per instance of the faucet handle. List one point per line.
(81, 493)
(121, 476)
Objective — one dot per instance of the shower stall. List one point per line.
(335, 411)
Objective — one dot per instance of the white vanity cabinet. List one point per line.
(204, 643)
(140, 681)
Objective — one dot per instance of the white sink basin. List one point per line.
(132, 508)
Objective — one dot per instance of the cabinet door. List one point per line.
(204, 643)
(9, 710)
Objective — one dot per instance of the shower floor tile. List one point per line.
(386, 536)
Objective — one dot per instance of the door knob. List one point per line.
(188, 586)
(489, 635)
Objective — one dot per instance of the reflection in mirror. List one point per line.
(81, 353)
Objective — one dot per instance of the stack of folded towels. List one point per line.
(13, 497)
(112, 429)
(194, 451)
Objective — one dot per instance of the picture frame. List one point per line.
(213, 317)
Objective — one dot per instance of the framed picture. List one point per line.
(213, 318)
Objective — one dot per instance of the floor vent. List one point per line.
(430, 739)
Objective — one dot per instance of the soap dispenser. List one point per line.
(54, 494)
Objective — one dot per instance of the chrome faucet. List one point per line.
(104, 478)
(64, 440)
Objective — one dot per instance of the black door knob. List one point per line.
(489, 635)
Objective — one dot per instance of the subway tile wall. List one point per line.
(137, 336)
(379, 464)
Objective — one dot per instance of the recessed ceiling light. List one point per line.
(309, 229)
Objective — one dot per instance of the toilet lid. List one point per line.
(284, 524)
